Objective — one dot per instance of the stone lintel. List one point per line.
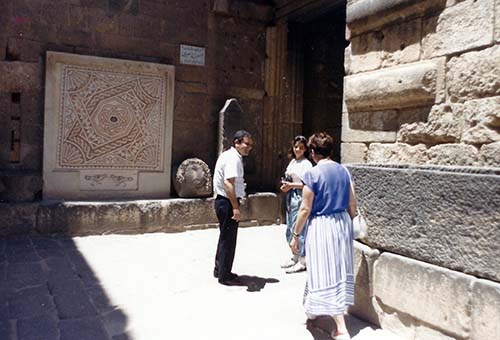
(404, 86)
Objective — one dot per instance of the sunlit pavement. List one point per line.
(153, 287)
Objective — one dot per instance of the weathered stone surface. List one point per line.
(18, 218)
(71, 299)
(401, 43)
(453, 154)
(444, 217)
(365, 52)
(129, 217)
(444, 125)
(462, 27)
(490, 154)
(396, 87)
(24, 49)
(193, 179)
(364, 259)
(481, 121)
(474, 75)
(353, 152)
(364, 15)
(396, 276)
(398, 153)
(20, 76)
(352, 135)
(30, 302)
(497, 21)
(19, 186)
(485, 311)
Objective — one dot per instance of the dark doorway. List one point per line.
(323, 47)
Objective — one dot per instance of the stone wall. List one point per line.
(422, 82)
(145, 30)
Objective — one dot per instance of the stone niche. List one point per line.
(107, 129)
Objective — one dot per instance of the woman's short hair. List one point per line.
(300, 139)
(321, 143)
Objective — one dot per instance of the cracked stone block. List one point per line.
(398, 153)
(453, 154)
(490, 154)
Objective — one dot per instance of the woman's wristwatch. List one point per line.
(295, 234)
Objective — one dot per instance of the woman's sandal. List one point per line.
(344, 336)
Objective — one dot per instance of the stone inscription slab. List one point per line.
(192, 55)
(108, 128)
(108, 180)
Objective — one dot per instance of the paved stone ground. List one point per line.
(154, 287)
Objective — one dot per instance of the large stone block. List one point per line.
(481, 121)
(401, 43)
(398, 153)
(446, 216)
(364, 15)
(485, 311)
(365, 52)
(453, 154)
(458, 28)
(474, 75)
(490, 154)
(350, 135)
(444, 125)
(113, 141)
(497, 21)
(397, 87)
(20, 76)
(353, 152)
(411, 287)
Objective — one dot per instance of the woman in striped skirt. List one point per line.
(328, 205)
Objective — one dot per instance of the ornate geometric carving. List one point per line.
(110, 119)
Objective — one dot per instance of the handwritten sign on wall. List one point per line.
(192, 55)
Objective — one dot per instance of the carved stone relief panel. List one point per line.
(108, 128)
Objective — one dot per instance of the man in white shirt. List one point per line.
(229, 187)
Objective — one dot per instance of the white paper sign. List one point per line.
(192, 55)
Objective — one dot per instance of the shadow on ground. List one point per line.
(321, 327)
(48, 291)
(255, 283)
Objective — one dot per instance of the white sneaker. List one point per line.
(298, 267)
(290, 262)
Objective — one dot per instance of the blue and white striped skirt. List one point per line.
(330, 265)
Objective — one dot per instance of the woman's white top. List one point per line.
(297, 168)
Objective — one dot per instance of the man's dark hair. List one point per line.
(321, 143)
(239, 135)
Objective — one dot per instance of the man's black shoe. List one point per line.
(231, 282)
(230, 276)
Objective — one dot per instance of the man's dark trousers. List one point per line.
(227, 238)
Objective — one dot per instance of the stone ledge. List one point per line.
(128, 217)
